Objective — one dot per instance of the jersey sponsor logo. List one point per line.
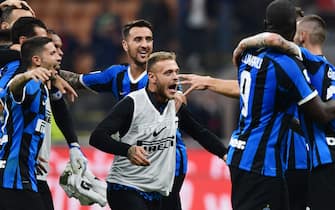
(330, 92)
(40, 126)
(331, 74)
(3, 140)
(157, 133)
(330, 141)
(48, 116)
(253, 61)
(305, 72)
(236, 143)
(153, 146)
(2, 163)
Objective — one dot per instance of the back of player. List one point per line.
(254, 157)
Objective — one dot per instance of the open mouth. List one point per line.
(173, 87)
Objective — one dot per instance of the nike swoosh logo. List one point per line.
(157, 133)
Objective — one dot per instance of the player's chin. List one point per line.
(142, 58)
(170, 94)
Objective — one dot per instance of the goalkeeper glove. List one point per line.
(77, 159)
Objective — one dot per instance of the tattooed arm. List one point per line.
(265, 39)
(72, 78)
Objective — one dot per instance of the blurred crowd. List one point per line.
(202, 32)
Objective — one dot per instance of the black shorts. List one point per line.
(322, 187)
(297, 184)
(123, 199)
(257, 192)
(172, 202)
(44, 190)
(20, 200)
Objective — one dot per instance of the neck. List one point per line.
(159, 98)
(29, 68)
(314, 49)
(136, 70)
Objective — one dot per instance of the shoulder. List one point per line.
(137, 93)
(33, 86)
(284, 60)
(117, 68)
(11, 67)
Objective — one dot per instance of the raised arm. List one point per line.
(227, 88)
(206, 138)
(72, 78)
(265, 39)
(18, 4)
(16, 85)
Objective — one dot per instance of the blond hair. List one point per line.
(159, 56)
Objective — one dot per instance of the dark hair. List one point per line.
(25, 26)
(51, 32)
(281, 18)
(135, 23)
(317, 28)
(7, 11)
(159, 56)
(31, 47)
(5, 35)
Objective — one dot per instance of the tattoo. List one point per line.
(71, 78)
(288, 47)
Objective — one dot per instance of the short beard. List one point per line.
(138, 63)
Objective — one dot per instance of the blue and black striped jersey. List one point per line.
(118, 80)
(322, 137)
(297, 152)
(8, 72)
(22, 136)
(270, 82)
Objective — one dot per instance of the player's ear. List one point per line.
(303, 36)
(124, 45)
(4, 25)
(151, 76)
(36, 60)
